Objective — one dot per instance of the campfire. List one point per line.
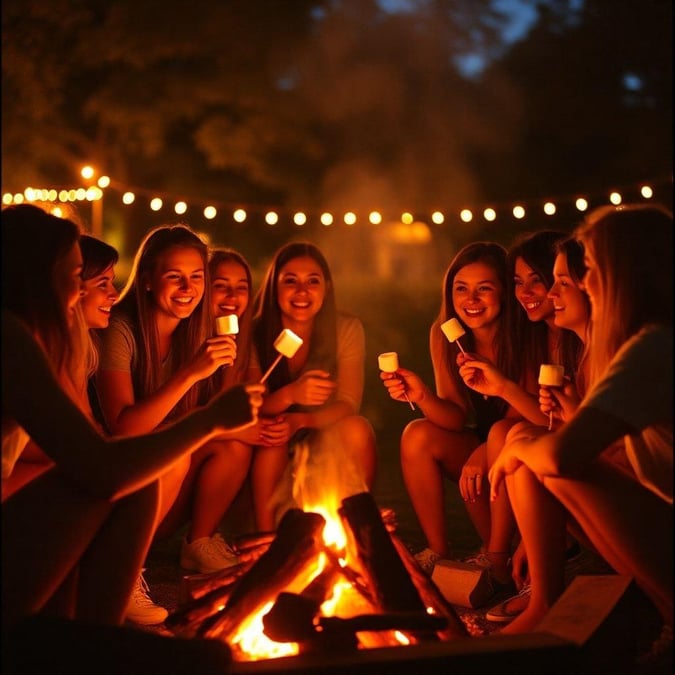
(334, 576)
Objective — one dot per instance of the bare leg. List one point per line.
(266, 470)
(50, 528)
(113, 561)
(427, 453)
(222, 469)
(170, 485)
(542, 522)
(630, 526)
(358, 439)
(502, 521)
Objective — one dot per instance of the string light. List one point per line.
(519, 210)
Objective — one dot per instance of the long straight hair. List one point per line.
(573, 251)
(33, 242)
(237, 372)
(494, 256)
(267, 316)
(139, 306)
(529, 345)
(632, 246)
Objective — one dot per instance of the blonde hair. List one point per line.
(632, 247)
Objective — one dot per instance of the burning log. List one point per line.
(248, 542)
(297, 544)
(292, 616)
(430, 594)
(386, 574)
(195, 586)
(186, 621)
(249, 549)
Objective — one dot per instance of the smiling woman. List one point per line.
(159, 359)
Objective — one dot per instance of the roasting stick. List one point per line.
(388, 363)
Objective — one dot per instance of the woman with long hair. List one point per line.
(321, 386)
(159, 358)
(532, 338)
(94, 510)
(626, 515)
(457, 420)
(572, 309)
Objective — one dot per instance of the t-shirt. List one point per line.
(638, 388)
(351, 360)
(119, 350)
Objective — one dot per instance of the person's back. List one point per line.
(96, 489)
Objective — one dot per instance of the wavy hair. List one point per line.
(138, 305)
(267, 316)
(632, 246)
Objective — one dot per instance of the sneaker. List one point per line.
(141, 609)
(206, 555)
(508, 610)
(221, 544)
(427, 560)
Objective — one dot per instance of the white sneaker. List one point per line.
(141, 609)
(227, 550)
(508, 610)
(207, 554)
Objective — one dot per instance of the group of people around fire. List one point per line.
(127, 418)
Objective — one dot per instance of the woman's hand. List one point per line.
(237, 407)
(268, 431)
(473, 474)
(217, 351)
(313, 387)
(480, 374)
(527, 444)
(562, 401)
(404, 385)
(274, 431)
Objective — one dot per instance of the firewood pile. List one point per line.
(280, 575)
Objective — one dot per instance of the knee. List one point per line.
(497, 437)
(357, 432)
(416, 440)
(232, 454)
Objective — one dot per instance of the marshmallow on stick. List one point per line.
(227, 325)
(551, 375)
(388, 362)
(287, 344)
(453, 331)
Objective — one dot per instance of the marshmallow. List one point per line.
(227, 325)
(551, 375)
(453, 329)
(388, 362)
(287, 343)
